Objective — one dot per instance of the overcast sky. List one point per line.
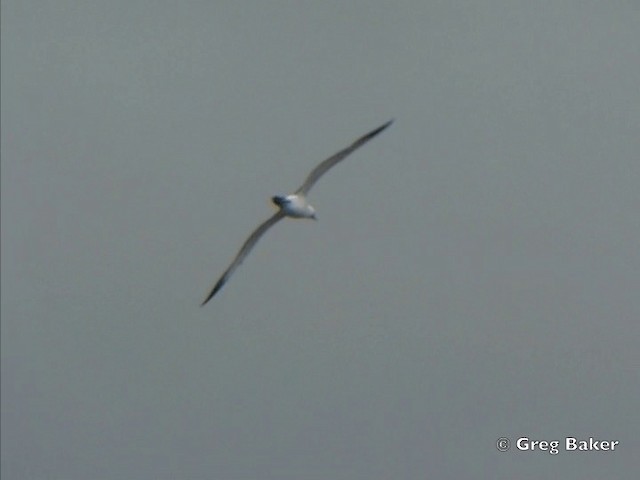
(474, 272)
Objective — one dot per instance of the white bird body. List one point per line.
(292, 206)
(295, 206)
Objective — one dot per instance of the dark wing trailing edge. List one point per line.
(321, 169)
(244, 251)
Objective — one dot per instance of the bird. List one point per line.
(294, 206)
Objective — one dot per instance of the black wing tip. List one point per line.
(215, 290)
(387, 124)
(380, 129)
(206, 300)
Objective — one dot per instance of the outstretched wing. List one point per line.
(244, 251)
(320, 170)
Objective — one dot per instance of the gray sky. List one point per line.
(474, 273)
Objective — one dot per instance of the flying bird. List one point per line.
(292, 206)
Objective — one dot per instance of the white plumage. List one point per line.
(293, 206)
